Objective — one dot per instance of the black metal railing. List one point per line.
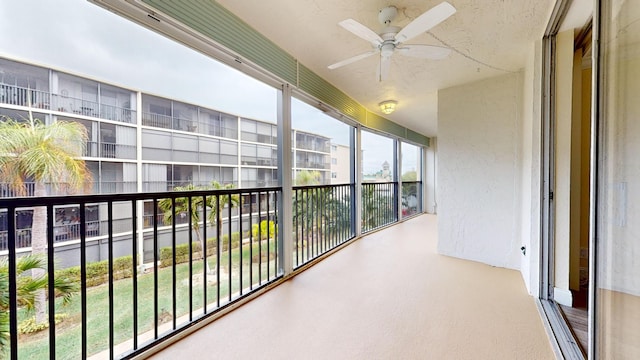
(155, 283)
(411, 198)
(379, 205)
(322, 220)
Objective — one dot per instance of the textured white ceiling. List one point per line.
(489, 37)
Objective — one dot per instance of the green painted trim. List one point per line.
(220, 25)
(322, 90)
(378, 122)
(418, 138)
(217, 23)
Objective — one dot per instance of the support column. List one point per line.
(285, 206)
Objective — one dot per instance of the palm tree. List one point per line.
(376, 207)
(182, 207)
(45, 154)
(218, 202)
(28, 287)
(306, 177)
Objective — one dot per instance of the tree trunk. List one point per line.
(202, 248)
(39, 248)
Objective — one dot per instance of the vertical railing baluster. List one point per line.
(13, 288)
(259, 239)
(173, 258)
(296, 215)
(323, 217)
(190, 247)
(268, 235)
(250, 240)
(204, 254)
(275, 236)
(83, 277)
(51, 281)
(240, 241)
(134, 264)
(316, 226)
(155, 268)
(110, 266)
(309, 216)
(218, 250)
(230, 246)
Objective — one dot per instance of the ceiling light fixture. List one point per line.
(388, 106)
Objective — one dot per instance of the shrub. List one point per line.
(263, 229)
(98, 272)
(182, 253)
(29, 325)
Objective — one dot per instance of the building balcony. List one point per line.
(383, 295)
(388, 295)
(43, 99)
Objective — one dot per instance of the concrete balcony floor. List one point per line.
(388, 295)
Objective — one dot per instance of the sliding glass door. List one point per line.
(616, 293)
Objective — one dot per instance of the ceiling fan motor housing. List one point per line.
(386, 15)
(389, 44)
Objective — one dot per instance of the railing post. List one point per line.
(356, 181)
(285, 208)
(398, 191)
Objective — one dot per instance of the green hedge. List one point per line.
(98, 272)
(182, 250)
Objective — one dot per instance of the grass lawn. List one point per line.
(68, 333)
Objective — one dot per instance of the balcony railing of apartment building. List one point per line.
(322, 219)
(171, 291)
(172, 287)
(109, 150)
(379, 205)
(97, 187)
(178, 123)
(411, 195)
(16, 95)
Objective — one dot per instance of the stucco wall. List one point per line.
(431, 200)
(479, 170)
(530, 165)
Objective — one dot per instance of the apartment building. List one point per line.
(534, 167)
(139, 142)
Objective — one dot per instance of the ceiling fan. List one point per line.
(391, 39)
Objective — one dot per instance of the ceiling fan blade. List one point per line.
(383, 71)
(426, 21)
(424, 51)
(352, 59)
(361, 31)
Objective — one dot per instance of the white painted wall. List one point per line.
(431, 185)
(479, 170)
(531, 171)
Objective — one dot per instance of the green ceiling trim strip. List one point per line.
(377, 122)
(417, 138)
(322, 90)
(214, 21)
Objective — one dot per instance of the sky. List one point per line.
(85, 39)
